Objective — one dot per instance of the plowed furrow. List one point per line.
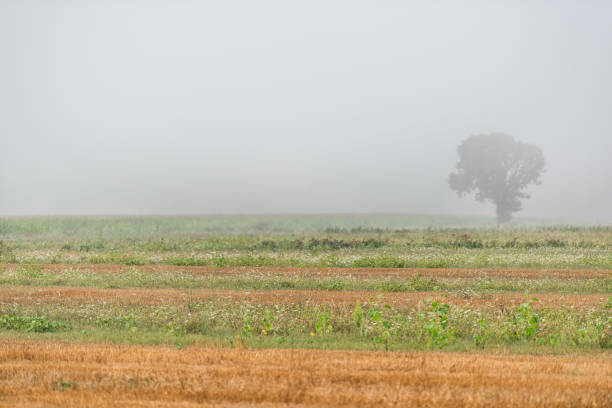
(33, 294)
(364, 273)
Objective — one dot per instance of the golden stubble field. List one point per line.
(41, 374)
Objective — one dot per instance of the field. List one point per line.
(304, 310)
(75, 375)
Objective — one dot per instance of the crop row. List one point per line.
(400, 300)
(433, 322)
(262, 279)
(466, 239)
(424, 258)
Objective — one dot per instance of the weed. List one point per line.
(358, 315)
(381, 326)
(482, 333)
(436, 326)
(267, 322)
(218, 260)
(322, 323)
(524, 321)
(247, 324)
(36, 324)
(61, 385)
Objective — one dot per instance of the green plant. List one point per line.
(524, 321)
(218, 260)
(438, 332)
(31, 272)
(247, 324)
(61, 385)
(267, 322)
(35, 324)
(358, 315)
(604, 335)
(322, 323)
(381, 325)
(85, 247)
(482, 333)
(127, 321)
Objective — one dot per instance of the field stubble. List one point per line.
(74, 375)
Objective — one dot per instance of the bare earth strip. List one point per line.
(46, 294)
(365, 273)
(42, 374)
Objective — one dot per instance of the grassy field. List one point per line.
(134, 226)
(415, 315)
(307, 241)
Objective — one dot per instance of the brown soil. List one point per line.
(44, 374)
(34, 294)
(327, 272)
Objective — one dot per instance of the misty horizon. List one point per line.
(137, 108)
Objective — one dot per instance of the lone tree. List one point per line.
(498, 168)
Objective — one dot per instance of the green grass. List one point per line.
(371, 241)
(350, 241)
(370, 325)
(131, 226)
(430, 257)
(32, 324)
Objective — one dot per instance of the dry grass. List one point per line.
(39, 374)
(364, 273)
(33, 294)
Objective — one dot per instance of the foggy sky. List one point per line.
(139, 107)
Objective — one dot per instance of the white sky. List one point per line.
(282, 106)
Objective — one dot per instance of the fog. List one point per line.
(155, 107)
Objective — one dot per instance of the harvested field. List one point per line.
(33, 294)
(120, 314)
(34, 374)
(363, 273)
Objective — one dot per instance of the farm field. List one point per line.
(312, 311)
(75, 375)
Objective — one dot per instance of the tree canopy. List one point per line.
(497, 168)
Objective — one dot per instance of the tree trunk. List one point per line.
(504, 214)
